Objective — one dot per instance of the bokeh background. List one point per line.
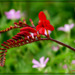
(19, 59)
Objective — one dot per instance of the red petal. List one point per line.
(38, 27)
(47, 22)
(42, 16)
(49, 27)
(42, 31)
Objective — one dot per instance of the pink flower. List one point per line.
(66, 28)
(65, 66)
(55, 48)
(12, 14)
(40, 64)
(73, 61)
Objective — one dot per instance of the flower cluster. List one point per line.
(26, 35)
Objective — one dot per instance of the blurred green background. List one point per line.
(19, 60)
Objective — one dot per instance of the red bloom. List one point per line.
(43, 24)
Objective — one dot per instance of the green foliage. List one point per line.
(19, 59)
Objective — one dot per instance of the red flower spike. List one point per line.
(29, 29)
(43, 24)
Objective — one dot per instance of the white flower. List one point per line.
(40, 64)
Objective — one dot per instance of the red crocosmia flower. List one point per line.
(43, 24)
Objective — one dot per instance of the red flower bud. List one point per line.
(15, 38)
(23, 33)
(28, 29)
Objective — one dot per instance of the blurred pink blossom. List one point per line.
(65, 66)
(55, 48)
(73, 61)
(12, 14)
(66, 27)
(40, 64)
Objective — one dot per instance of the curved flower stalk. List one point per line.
(28, 34)
(16, 25)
